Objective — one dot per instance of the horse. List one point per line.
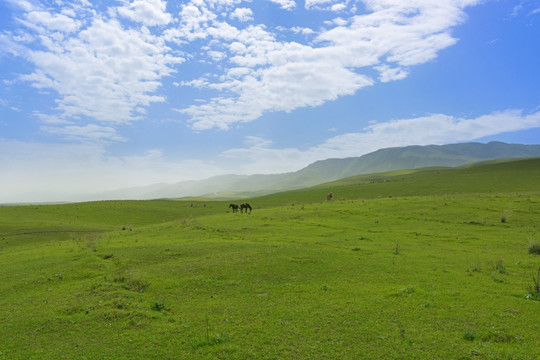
(329, 196)
(234, 207)
(245, 206)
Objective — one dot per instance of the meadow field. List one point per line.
(427, 264)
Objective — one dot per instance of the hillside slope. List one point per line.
(413, 157)
(518, 175)
(390, 159)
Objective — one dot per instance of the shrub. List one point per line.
(505, 216)
(534, 248)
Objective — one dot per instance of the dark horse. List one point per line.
(245, 206)
(234, 207)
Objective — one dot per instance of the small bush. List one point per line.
(534, 248)
(470, 335)
(157, 306)
(505, 216)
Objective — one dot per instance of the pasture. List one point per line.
(430, 264)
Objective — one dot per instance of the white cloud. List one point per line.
(392, 37)
(285, 4)
(216, 55)
(332, 5)
(302, 30)
(53, 22)
(525, 7)
(390, 74)
(433, 129)
(103, 71)
(338, 7)
(278, 88)
(147, 12)
(242, 14)
(23, 4)
(90, 132)
(259, 155)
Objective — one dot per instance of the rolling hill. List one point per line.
(384, 160)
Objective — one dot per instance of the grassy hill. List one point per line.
(430, 263)
(519, 175)
(410, 157)
(384, 160)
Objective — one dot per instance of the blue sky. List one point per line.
(100, 95)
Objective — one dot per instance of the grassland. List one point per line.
(430, 264)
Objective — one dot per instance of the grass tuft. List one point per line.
(137, 285)
(396, 248)
(213, 339)
(534, 289)
(499, 266)
(470, 335)
(157, 306)
(499, 336)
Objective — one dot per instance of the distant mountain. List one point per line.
(389, 159)
(414, 157)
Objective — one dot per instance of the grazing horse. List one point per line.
(329, 196)
(234, 207)
(245, 206)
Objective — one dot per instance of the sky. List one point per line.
(101, 95)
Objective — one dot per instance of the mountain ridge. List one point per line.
(321, 171)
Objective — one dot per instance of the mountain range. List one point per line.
(388, 159)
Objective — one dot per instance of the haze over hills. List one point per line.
(389, 159)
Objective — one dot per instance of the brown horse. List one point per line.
(329, 196)
(234, 207)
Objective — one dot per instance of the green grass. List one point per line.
(433, 274)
